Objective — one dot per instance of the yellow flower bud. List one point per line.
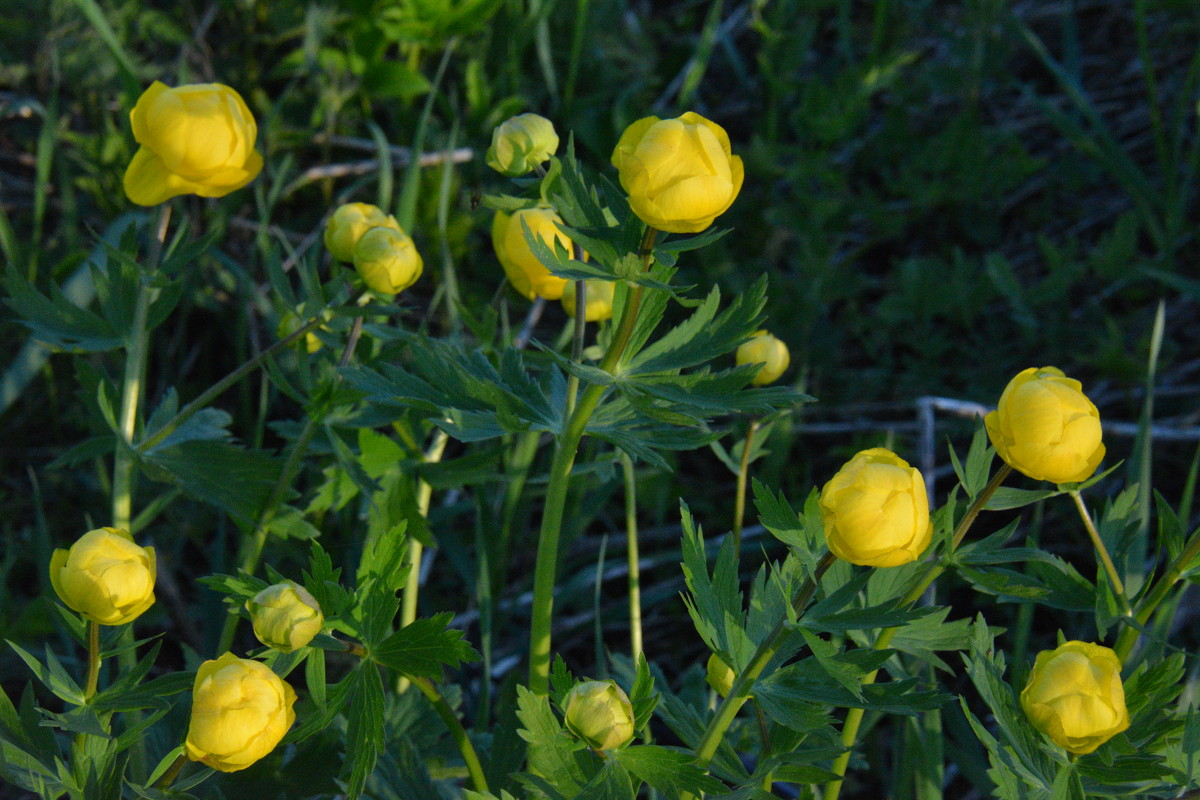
(285, 616)
(520, 144)
(764, 349)
(240, 711)
(195, 139)
(598, 300)
(347, 225)
(680, 174)
(719, 675)
(875, 510)
(599, 713)
(105, 576)
(1075, 696)
(528, 275)
(290, 323)
(1046, 427)
(387, 260)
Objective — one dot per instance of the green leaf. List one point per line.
(421, 648)
(232, 478)
(924, 638)
(669, 771)
(82, 719)
(1006, 498)
(364, 726)
(51, 674)
(714, 601)
(552, 752)
(289, 523)
(57, 321)
(642, 695)
(979, 462)
(612, 782)
(809, 681)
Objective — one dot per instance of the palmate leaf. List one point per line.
(810, 681)
(704, 335)
(363, 690)
(552, 752)
(422, 648)
(669, 771)
(714, 600)
(236, 479)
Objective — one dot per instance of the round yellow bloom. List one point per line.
(240, 711)
(285, 616)
(719, 675)
(680, 174)
(875, 510)
(528, 275)
(764, 349)
(598, 300)
(195, 139)
(1075, 696)
(521, 143)
(347, 225)
(387, 260)
(105, 576)
(1046, 427)
(599, 713)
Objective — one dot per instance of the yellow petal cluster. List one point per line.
(876, 511)
(348, 224)
(105, 576)
(680, 174)
(599, 713)
(528, 275)
(285, 616)
(240, 711)
(598, 300)
(521, 143)
(387, 260)
(195, 139)
(1075, 696)
(764, 349)
(1046, 427)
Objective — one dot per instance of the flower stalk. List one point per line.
(739, 501)
(1102, 552)
(546, 569)
(93, 668)
(854, 715)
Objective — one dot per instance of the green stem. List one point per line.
(93, 672)
(580, 320)
(412, 587)
(854, 715)
(740, 692)
(252, 548)
(739, 501)
(133, 385)
(1102, 551)
(457, 732)
(172, 772)
(546, 569)
(631, 555)
(219, 388)
(768, 778)
(1150, 602)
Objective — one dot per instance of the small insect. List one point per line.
(476, 197)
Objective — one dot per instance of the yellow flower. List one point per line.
(105, 576)
(1075, 696)
(1046, 427)
(285, 616)
(680, 174)
(528, 275)
(764, 349)
(719, 675)
(598, 300)
(240, 711)
(875, 510)
(521, 143)
(195, 139)
(599, 713)
(387, 260)
(347, 225)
